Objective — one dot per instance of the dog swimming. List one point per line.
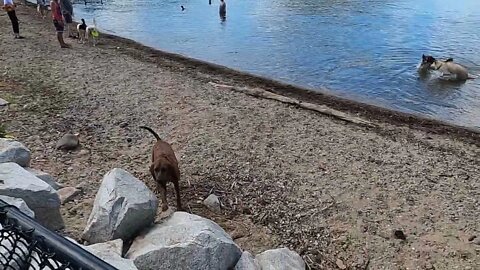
(448, 68)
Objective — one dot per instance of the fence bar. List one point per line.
(62, 250)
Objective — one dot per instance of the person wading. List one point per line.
(9, 7)
(58, 22)
(222, 10)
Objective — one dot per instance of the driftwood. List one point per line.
(323, 109)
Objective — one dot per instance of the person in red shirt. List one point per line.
(58, 22)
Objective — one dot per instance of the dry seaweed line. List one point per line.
(323, 109)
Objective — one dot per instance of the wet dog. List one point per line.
(449, 69)
(164, 169)
(426, 65)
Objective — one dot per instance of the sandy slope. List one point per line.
(331, 190)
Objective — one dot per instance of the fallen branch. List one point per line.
(323, 109)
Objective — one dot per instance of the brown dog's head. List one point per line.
(162, 169)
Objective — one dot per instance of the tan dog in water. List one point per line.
(164, 169)
(448, 68)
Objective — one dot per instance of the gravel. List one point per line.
(332, 191)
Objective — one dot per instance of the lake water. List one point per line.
(360, 49)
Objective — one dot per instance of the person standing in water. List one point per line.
(58, 22)
(222, 10)
(9, 7)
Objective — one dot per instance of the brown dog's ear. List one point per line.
(423, 57)
(449, 60)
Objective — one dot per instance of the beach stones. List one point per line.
(17, 182)
(68, 142)
(213, 203)
(280, 259)
(196, 242)
(13, 151)
(123, 207)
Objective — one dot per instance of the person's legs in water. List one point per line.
(13, 17)
(59, 27)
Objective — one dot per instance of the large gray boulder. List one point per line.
(45, 177)
(184, 241)
(280, 259)
(16, 182)
(19, 203)
(13, 151)
(247, 262)
(111, 252)
(123, 207)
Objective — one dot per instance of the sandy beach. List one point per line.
(331, 189)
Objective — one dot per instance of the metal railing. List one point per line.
(27, 245)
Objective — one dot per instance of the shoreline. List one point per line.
(317, 96)
(329, 189)
(301, 93)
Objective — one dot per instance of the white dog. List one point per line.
(82, 29)
(92, 33)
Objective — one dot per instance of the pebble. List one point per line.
(83, 152)
(399, 235)
(68, 142)
(340, 264)
(3, 102)
(476, 241)
(213, 203)
(66, 194)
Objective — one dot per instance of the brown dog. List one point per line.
(164, 169)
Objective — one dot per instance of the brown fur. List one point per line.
(164, 169)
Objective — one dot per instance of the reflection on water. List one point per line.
(366, 50)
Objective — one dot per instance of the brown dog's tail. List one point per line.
(151, 131)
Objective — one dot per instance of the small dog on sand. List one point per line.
(82, 30)
(164, 169)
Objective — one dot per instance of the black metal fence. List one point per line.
(27, 245)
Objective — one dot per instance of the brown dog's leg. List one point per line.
(177, 194)
(163, 194)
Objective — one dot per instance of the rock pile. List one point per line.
(35, 188)
(124, 211)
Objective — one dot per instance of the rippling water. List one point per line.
(361, 49)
